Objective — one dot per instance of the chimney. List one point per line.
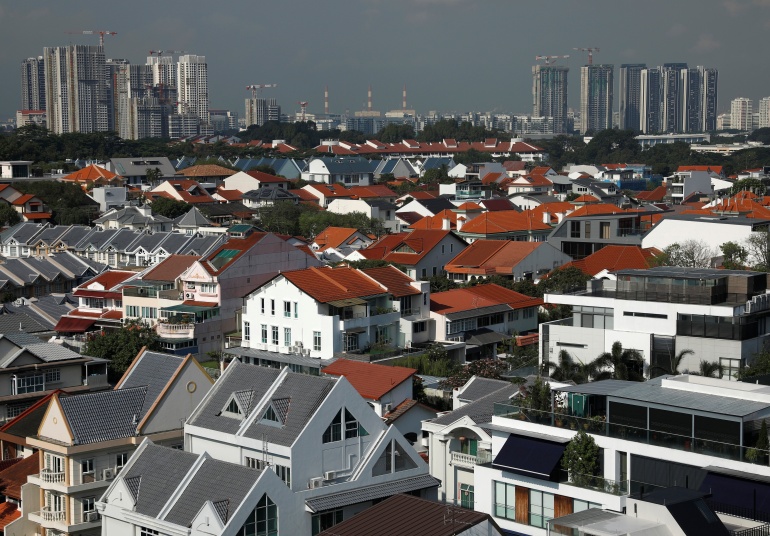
(460, 222)
(369, 100)
(326, 100)
(446, 224)
(560, 217)
(547, 218)
(403, 99)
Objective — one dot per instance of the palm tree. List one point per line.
(567, 369)
(710, 370)
(676, 361)
(620, 364)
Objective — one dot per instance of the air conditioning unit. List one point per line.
(315, 483)
(330, 475)
(298, 344)
(306, 351)
(386, 408)
(189, 296)
(90, 517)
(108, 474)
(292, 349)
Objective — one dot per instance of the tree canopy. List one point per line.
(122, 345)
(170, 208)
(68, 202)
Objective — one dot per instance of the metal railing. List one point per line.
(598, 426)
(743, 512)
(596, 483)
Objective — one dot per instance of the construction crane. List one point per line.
(550, 59)
(590, 51)
(254, 88)
(303, 108)
(162, 52)
(100, 33)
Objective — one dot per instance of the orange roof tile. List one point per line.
(206, 170)
(396, 281)
(90, 173)
(374, 191)
(655, 195)
(230, 195)
(183, 187)
(333, 237)
(237, 245)
(415, 246)
(334, 284)
(595, 210)
(261, 176)
(109, 279)
(371, 380)
(170, 268)
(504, 221)
(468, 205)
(614, 258)
(533, 179)
(714, 169)
(437, 221)
(585, 198)
(22, 199)
(13, 477)
(487, 257)
(467, 299)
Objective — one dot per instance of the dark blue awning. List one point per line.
(530, 456)
(743, 493)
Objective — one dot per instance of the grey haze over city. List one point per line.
(453, 55)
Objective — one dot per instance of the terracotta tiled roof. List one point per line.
(109, 279)
(498, 204)
(533, 180)
(333, 237)
(492, 178)
(230, 195)
(468, 205)
(614, 258)
(554, 208)
(421, 194)
(396, 281)
(487, 257)
(230, 250)
(514, 165)
(334, 284)
(437, 221)
(541, 170)
(185, 186)
(304, 195)
(374, 191)
(655, 195)
(467, 299)
(585, 198)
(206, 170)
(9, 512)
(90, 173)
(371, 380)
(595, 210)
(12, 478)
(22, 199)
(712, 169)
(36, 215)
(170, 268)
(504, 221)
(420, 242)
(267, 178)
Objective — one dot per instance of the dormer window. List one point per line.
(239, 405)
(270, 415)
(232, 407)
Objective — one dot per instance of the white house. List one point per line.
(373, 208)
(321, 312)
(321, 438)
(348, 170)
(246, 181)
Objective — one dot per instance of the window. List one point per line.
(255, 463)
(272, 307)
(352, 427)
(296, 310)
(317, 341)
(287, 336)
(209, 288)
(581, 506)
(644, 315)
(28, 384)
(326, 520)
(13, 410)
(284, 473)
(263, 521)
(233, 407)
(393, 459)
(89, 504)
(264, 333)
(528, 312)
(246, 331)
(424, 273)
(730, 367)
(505, 501)
(144, 531)
(120, 461)
(132, 311)
(466, 496)
(87, 470)
(588, 229)
(425, 299)
(149, 312)
(52, 375)
(469, 446)
(334, 430)
(574, 229)
(270, 415)
(540, 508)
(262, 305)
(287, 309)
(604, 229)
(420, 327)
(275, 335)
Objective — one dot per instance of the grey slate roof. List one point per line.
(214, 481)
(45, 351)
(133, 167)
(304, 392)
(153, 370)
(22, 232)
(131, 215)
(193, 218)
(348, 164)
(480, 410)
(161, 470)
(481, 387)
(368, 493)
(104, 415)
(17, 320)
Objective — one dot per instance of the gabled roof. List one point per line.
(170, 268)
(491, 256)
(415, 246)
(109, 279)
(596, 210)
(91, 173)
(334, 237)
(437, 221)
(480, 296)
(504, 221)
(328, 285)
(103, 415)
(653, 196)
(371, 380)
(12, 478)
(710, 169)
(497, 204)
(613, 258)
(393, 279)
(206, 170)
(45, 351)
(266, 178)
(226, 254)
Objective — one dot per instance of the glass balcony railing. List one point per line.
(598, 426)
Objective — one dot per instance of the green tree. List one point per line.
(748, 185)
(282, 218)
(8, 216)
(620, 364)
(153, 175)
(538, 396)
(170, 208)
(121, 346)
(758, 366)
(264, 168)
(709, 369)
(763, 444)
(687, 254)
(394, 133)
(563, 280)
(761, 135)
(485, 368)
(672, 367)
(440, 283)
(566, 369)
(758, 249)
(734, 256)
(581, 459)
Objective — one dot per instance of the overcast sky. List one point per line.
(453, 55)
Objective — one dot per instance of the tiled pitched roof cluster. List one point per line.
(487, 257)
(467, 299)
(396, 281)
(504, 221)
(405, 248)
(90, 174)
(371, 380)
(334, 284)
(334, 237)
(613, 258)
(206, 170)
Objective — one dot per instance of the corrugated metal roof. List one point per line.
(369, 493)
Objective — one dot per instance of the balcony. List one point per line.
(598, 426)
(461, 459)
(51, 477)
(53, 515)
(175, 331)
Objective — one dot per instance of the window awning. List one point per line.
(68, 324)
(530, 456)
(185, 308)
(356, 330)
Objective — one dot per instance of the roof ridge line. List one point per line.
(320, 272)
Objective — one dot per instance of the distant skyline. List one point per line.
(453, 55)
